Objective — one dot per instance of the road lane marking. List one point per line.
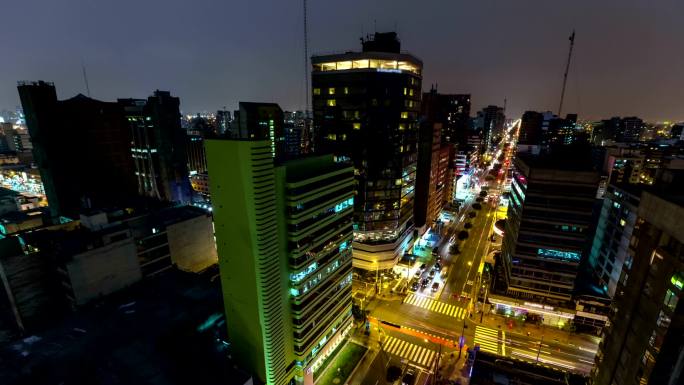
(435, 306)
(410, 351)
(487, 338)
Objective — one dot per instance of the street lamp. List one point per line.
(540, 345)
(460, 340)
(376, 277)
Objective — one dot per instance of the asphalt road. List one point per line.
(426, 320)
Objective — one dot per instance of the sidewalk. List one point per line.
(452, 368)
(358, 336)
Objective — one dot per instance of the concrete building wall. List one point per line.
(192, 244)
(103, 270)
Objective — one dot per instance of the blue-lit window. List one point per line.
(302, 274)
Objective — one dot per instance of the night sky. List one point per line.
(629, 55)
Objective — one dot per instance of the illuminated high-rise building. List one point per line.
(284, 233)
(158, 146)
(366, 105)
(493, 120)
(548, 230)
(643, 343)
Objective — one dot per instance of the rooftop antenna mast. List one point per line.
(85, 78)
(306, 59)
(306, 144)
(565, 76)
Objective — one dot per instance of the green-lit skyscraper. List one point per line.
(283, 234)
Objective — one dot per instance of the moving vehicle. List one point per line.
(422, 267)
(409, 377)
(431, 273)
(415, 285)
(424, 283)
(435, 251)
(435, 286)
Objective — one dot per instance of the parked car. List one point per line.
(424, 283)
(415, 285)
(437, 266)
(417, 273)
(435, 251)
(431, 273)
(422, 267)
(435, 286)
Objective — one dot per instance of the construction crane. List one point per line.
(565, 76)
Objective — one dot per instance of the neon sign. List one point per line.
(344, 204)
(568, 255)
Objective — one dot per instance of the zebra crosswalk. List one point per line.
(487, 338)
(422, 356)
(436, 306)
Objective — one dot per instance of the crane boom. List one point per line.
(565, 76)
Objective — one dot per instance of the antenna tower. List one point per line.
(306, 59)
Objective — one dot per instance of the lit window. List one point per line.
(317, 91)
(346, 90)
(343, 137)
(622, 222)
(360, 63)
(344, 65)
(331, 91)
(357, 126)
(388, 64)
(411, 92)
(404, 115)
(678, 281)
(332, 136)
(402, 126)
(397, 182)
(332, 103)
(328, 66)
(405, 90)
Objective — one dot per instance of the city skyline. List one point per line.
(474, 194)
(625, 61)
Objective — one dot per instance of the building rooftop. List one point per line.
(5, 192)
(165, 331)
(564, 158)
(493, 369)
(312, 166)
